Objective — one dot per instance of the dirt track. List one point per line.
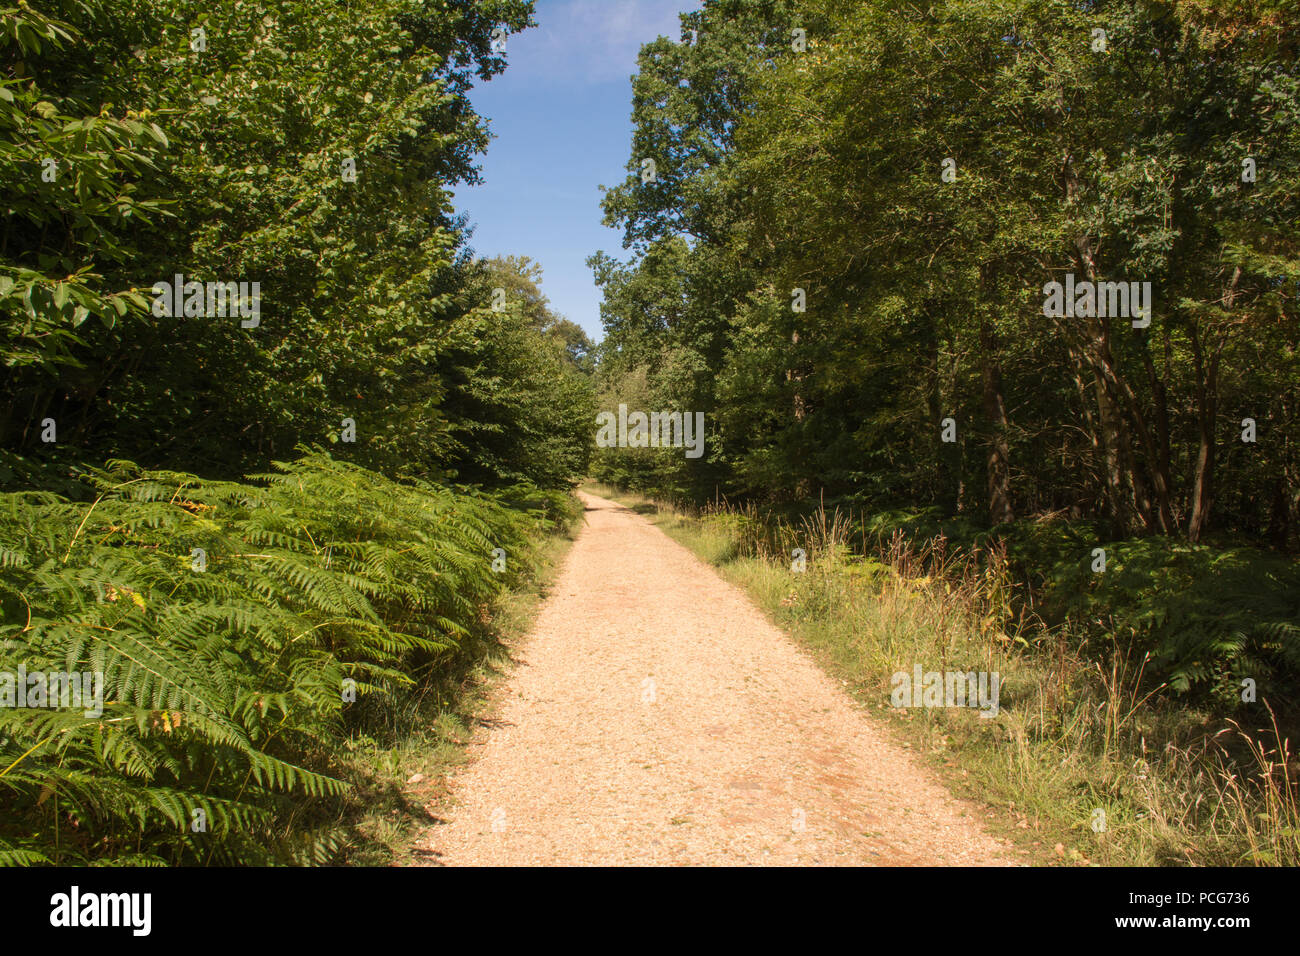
(658, 718)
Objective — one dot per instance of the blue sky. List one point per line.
(560, 115)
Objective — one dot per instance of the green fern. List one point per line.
(223, 701)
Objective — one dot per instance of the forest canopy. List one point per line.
(852, 254)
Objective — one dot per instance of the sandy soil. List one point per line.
(657, 717)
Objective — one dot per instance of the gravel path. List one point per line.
(657, 717)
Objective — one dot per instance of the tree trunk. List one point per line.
(1279, 518)
(1207, 408)
(798, 407)
(1121, 511)
(1127, 484)
(995, 412)
(1206, 411)
(1158, 457)
(944, 491)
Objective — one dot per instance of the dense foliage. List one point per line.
(241, 629)
(843, 259)
(310, 147)
(234, 624)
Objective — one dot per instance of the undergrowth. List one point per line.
(243, 633)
